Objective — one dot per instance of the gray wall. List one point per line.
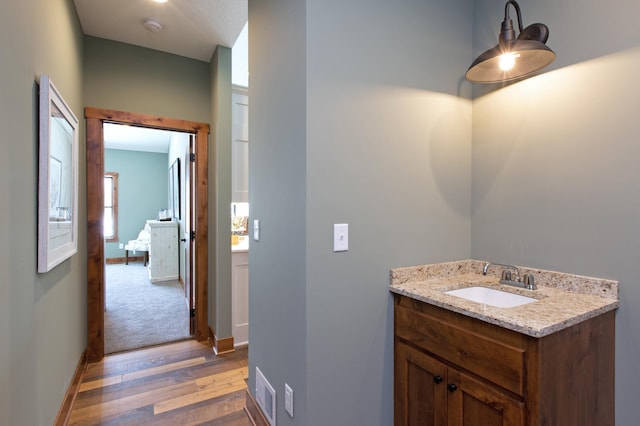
(352, 122)
(220, 200)
(42, 316)
(555, 173)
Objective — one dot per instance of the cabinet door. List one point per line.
(163, 251)
(420, 388)
(474, 403)
(240, 298)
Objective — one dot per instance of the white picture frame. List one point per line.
(57, 179)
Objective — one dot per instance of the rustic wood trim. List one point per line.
(223, 346)
(95, 117)
(72, 392)
(95, 242)
(201, 244)
(256, 417)
(145, 120)
(220, 346)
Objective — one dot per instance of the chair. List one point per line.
(140, 244)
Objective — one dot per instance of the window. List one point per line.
(111, 206)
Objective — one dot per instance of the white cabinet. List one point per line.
(240, 148)
(163, 250)
(240, 297)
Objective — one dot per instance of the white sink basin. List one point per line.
(489, 296)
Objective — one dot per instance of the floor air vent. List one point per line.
(266, 397)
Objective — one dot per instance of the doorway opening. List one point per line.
(195, 230)
(145, 222)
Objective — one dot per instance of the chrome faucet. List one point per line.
(507, 277)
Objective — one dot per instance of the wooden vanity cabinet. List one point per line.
(435, 394)
(453, 370)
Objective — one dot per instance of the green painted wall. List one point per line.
(360, 118)
(351, 128)
(134, 79)
(277, 197)
(142, 191)
(555, 173)
(220, 180)
(42, 316)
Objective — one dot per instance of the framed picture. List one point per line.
(55, 182)
(174, 189)
(57, 179)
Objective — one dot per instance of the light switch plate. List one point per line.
(256, 230)
(340, 237)
(288, 399)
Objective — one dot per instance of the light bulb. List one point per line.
(508, 60)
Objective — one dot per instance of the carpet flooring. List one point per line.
(140, 313)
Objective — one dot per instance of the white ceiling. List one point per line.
(118, 136)
(191, 28)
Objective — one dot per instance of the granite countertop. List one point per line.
(563, 299)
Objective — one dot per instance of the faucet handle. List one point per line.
(506, 275)
(529, 281)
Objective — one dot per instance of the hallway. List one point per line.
(180, 383)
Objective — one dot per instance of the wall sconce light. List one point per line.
(513, 57)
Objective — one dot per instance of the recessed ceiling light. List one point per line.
(160, 1)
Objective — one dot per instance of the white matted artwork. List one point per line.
(57, 179)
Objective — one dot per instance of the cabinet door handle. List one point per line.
(437, 379)
(452, 387)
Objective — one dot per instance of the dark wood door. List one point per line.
(420, 388)
(474, 403)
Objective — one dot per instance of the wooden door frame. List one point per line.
(95, 119)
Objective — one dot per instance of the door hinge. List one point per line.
(193, 235)
(192, 313)
(192, 157)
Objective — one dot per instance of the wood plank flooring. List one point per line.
(182, 383)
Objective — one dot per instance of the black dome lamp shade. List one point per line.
(513, 57)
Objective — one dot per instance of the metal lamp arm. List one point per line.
(518, 13)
